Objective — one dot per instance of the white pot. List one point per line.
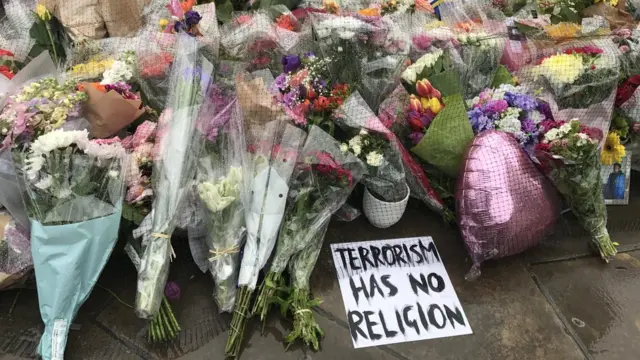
(382, 214)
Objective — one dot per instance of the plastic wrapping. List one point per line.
(375, 145)
(292, 34)
(322, 181)
(251, 38)
(73, 190)
(14, 28)
(221, 193)
(173, 169)
(39, 67)
(579, 80)
(15, 251)
(500, 215)
(569, 154)
(480, 55)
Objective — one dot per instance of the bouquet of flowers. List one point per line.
(428, 35)
(220, 189)
(15, 251)
(579, 76)
(321, 182)
(274, 148)
(39, 107)
(293, 34)
(375, 145)
(480, 54)
(305, 91)
(510, 109)
(183, 18)
(564, 10)
(73, 194)
(436, 112)
(251, 38)
(568, 153)
(139, 192)
(403, 6)
(173, 170)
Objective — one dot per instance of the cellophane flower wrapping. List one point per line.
(220, 189)
(429, 34)
(292, 34)
(385, 171)
(578, 80)
(367, 52)
(251, 37)
(173, 169)
(569, 155)
(321, 183)
(73, 191)
(479, 59)
(15, 251)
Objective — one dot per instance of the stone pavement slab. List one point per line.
(509, 316)
(600, 302)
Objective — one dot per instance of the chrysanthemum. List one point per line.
(613, 151)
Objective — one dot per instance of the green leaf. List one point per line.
(39, 33)
(37, 49)
(503, 76)
(447, 138)
(224, 10)
(447, 82)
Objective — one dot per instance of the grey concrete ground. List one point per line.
(554, 302)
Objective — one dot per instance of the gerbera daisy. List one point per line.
(613, 150)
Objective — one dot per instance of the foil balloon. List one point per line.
(504, 204)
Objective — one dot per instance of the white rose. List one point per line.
(410, 75)
(344, 148)
(374, 158)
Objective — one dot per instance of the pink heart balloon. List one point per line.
(504, 204)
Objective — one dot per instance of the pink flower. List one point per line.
(624, 49)
(298, 78)
(175, 8)
(113, 140)
(422, 42)
(624, 33)
(242, 19)
(134, 193)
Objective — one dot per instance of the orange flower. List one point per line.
(423, 5)
(94, 85)
(331, 6)
(187, 5)
(465, 26)
(369, 11)
(285, 22)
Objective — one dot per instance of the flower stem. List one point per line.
(265, 295)
(305, 326)
(53, 45)
(238, 322)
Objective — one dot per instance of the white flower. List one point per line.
(552, 134)
(509, 124)
(535, 116)
(222, 193)
(426, 60)
(344, 147)
(44, 183)
(113, 174)
(356, 144)
(374, 158)
(410, 75)
(4, 131)
(339, 48)
(119, 71)
(565, 128)
(363, 132)
(64, 193)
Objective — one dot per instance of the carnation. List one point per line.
(562, 68)
(374, 158)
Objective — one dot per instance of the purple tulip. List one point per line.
(192, 17)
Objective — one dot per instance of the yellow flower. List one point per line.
(562, 68)
(369, 12)
(612, 151)
(43, 13)
(163, 23)
(563, 30)
(434, 105)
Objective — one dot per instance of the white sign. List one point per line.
(397, 291)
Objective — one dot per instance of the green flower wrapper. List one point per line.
(447, 138)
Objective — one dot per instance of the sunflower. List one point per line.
(612, 151)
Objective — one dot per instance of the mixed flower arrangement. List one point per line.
(579, 77)
(305, 90)
(183, 18)
(510, 109)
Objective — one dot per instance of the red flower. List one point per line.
(6, 71)
(286, 22)
(261, 61)
(593, 132)
(321, 103)
(4, 52)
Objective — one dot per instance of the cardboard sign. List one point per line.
(397, 291)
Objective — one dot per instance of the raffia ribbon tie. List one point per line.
(220, 253)
(303, 310)
(161, 235)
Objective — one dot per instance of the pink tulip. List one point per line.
(414, 104)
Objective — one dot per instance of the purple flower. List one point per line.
(309, 54)
(321, 83)
(415, 137)
(290, 63)
(179, 26)
(496, 106)
(290, 98)
(480, 121)
(281, 82)
(545, 110)
(172, 291)
(192, 17)
(529, 126)
(522, 101)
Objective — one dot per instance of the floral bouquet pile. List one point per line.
(39, 107)
(510, 109)
(273, 149)
(173, 171)
(73, 195)
(403, 6)
(139, 192)
(305, 90)
(480, 54)
(220, 189)
(112, 103)
(436, 112)
(251, 38)
(569, 154)
(321, 183)
(564, 10)
(293, 34)
(429, 35)
(579, 77)
(183, 18)
(374, 145)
